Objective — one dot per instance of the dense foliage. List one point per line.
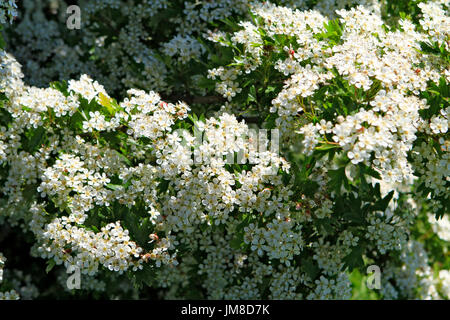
(266, 149)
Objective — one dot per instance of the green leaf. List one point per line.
(311, 269)
(114, 186)
(50, 265)
(327, 146)
(2, 42)
(36, 139)
(206, 83)
(145, 276)
(383, 203)
(237, 241)
(60, 86)
(163, 186)
(107, 102)
(355, 258)
(337, 178)
(372, 172)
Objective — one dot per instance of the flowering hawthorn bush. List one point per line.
(267, 150)
(152, 44)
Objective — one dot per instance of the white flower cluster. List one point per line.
(413, 275)
(42, 40)
(244, 233)
(435, 21)
(23, 284)
(379, 141)
(186, 48)
(433, 169)
(42, 100)
(43, 37)
(380, 135)
(444, 278)
(150, 117)
(329, 7)
(10, 75)
(329, 256)
(111, 247)
(432, 160)
(61, 238)
(339, 289)
(87, 88)
(11, 294)
(8, 10)
(441, 227)
(203, 192)
(386, 233)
